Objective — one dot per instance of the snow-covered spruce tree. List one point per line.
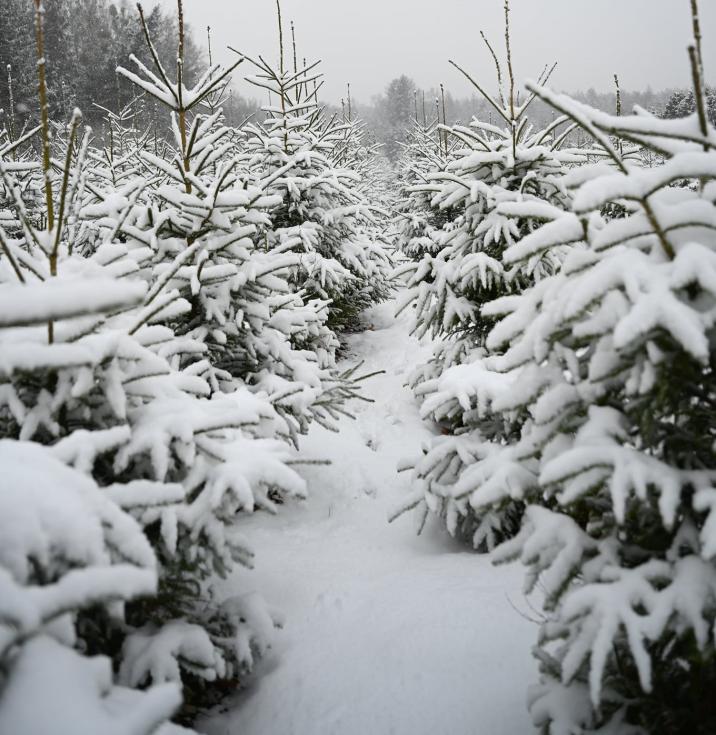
(323, 217)
(92, 368)
(85, 370)
(682, 103)
(613, 358)
(117, 161)
(420, 221)
(65, 546)
(499, 186)
(207, 222)
(238, 332)
(360, 153)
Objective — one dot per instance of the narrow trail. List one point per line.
(386, 633)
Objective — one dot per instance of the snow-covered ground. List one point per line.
(386, 633)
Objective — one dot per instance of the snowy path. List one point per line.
(386, 633)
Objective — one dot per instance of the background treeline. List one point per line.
(390, 114)
(85, 42)
(88, 39)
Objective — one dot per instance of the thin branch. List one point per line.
(485, 94)
(697, 36)
(154, 54)
(74, 124)
(698, 91)
(5, 245)
(500, 87)
(280, 35)
(510, 70)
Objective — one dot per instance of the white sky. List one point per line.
(369, 42)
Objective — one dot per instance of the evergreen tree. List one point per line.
(323, 220)
(420, 224)
(395, 108)
(154, 347)
(612, 361)
(682, 103)
(499, 185)
(65, 546)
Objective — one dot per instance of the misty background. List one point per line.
(371, 45)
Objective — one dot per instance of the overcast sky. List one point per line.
(369, 42)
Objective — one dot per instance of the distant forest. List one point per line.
(85, 42)
(392, 112)
(88, 39)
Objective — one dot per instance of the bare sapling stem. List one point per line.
(500, 89)
(619, 110)
(74, 124)
(280, 36)
(180, 84)
(282, 90)
(11, 110)
(44, 111)
(45, 131)
(293, 42)
(208, 42)
(445, 135)
(437, 125)
(697, 35)
(54, 253)
(209, 101)
(511, 75)
(180, 17)
(697, 72)
(350, 104)
(698, 93)
(300, 88)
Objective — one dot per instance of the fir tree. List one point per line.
(612, 360)
(323, 218)
(499, 185)
(150, 345)
(682, 103)
(420, 223)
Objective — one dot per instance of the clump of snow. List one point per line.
(73, 695)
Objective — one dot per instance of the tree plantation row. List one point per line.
(174, 298)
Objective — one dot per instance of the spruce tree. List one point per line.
(612, 359)
(324, 219)
(151, 347)
(497, 186)
(420, 223)
(66, 546)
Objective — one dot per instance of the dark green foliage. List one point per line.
(682, 104)
(85, 42)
